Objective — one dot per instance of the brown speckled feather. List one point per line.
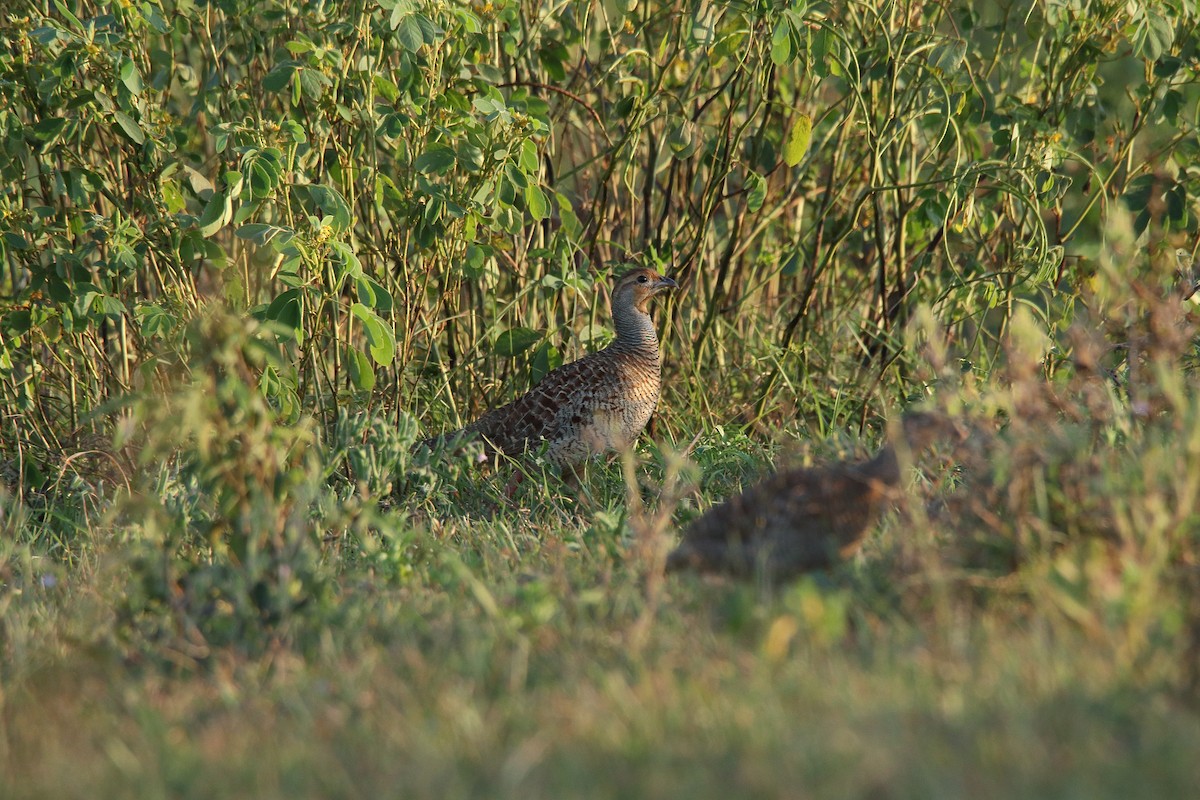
(600, 402)
(801, 519)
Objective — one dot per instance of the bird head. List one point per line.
(637, 286)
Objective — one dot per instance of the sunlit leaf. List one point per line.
(756, 191)
(535, 201)
(362, 372)
(798, 140)
(782, 50)
(380, 338)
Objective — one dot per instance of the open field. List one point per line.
(250, 252)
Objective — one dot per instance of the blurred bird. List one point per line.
(799, 520)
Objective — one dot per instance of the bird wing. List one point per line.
(546, 409)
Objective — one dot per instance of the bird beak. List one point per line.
(665, 283)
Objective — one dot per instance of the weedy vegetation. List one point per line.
(251, 251)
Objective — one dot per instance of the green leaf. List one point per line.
(472, 265)
(535, 201)
(545, 359)
(756, 191)
(386, 89)
(949, 56)
(362, 373)
(489, 106)
(312, 83)
(529, 159)
(518, 179)
(233, 182)
(217, 213)
(262, 234)
(172, 197)
(153, 16)
(280, 74)
(128, 72)
(515, 341)
(409, 33)
(371, 293)
(782, 50)
(1171, 103)
(18, 322)
(380, 338)
(154, 320)
(85, 294)
(1153, 36)
(793, 264)
(1177, 205)
(246, 211)
(110, 306)
(62, 9)
(345, 255)
(48, 129)
(330, 201)
(681, 138)
(1137, 192)
(130, 128)
(285, 309)
(551, 58)
(402, 9)
(15, 241)
(798, 140)
(437, 159)
(430, 31)
(469, 156)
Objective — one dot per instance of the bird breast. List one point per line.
(612, 413)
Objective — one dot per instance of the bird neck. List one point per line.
(635, 330)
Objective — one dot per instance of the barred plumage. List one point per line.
(599, 403)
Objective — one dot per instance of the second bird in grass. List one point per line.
(599, 403)
(799, 520)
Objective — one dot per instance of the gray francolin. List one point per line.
(599, 403)
(802, 519)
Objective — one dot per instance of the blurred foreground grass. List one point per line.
(565, 684)
(1031, 632)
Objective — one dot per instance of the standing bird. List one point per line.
(599, 403)
(802, 519)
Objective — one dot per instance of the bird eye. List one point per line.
(642, 279)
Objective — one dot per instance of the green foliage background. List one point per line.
(249, 248)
